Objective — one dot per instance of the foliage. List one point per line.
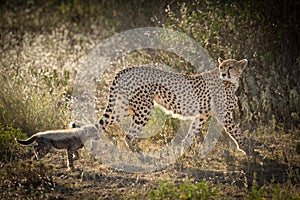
(257, 192)
(34, 99)
(201, 190)
(272, 191)
(263, 35)
(9, 149)
(44, 42)
(224, 28)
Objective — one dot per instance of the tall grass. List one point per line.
(34, 100)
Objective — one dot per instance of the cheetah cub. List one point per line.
(69, 139)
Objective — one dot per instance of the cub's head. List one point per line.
(89, 132)
(231, 69)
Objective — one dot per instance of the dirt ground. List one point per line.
(233, 175)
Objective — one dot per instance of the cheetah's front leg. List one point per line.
(234, 133)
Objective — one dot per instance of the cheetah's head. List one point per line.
(231, 69)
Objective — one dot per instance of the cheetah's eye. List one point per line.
(229, 67)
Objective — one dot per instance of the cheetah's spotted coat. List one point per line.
(135, 91)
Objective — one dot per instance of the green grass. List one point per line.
(201, 190)
(9, 149)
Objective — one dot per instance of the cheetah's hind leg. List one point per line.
(132, 143)
(141, 114)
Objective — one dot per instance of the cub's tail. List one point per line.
(26, 142)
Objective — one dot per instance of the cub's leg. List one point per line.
(75, 155)
(70, 160)
(72, 154)
(41, 149)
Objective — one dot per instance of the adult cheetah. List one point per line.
(135, 91)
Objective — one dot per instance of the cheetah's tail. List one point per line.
(26, 142)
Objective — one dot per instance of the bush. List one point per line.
(273, 191)
(18, 175)
(34, 99)
(9, 149)
(201, 190)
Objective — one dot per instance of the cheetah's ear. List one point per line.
(243, 63)
(220, 60)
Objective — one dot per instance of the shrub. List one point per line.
(34, 99)
(9, 149)
(201, 190)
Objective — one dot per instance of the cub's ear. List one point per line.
(220, 60)
(243, 63)
(73, 125)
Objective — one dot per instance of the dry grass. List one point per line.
(42, 46)
(273, 174)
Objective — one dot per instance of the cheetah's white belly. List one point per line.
(174, 115)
